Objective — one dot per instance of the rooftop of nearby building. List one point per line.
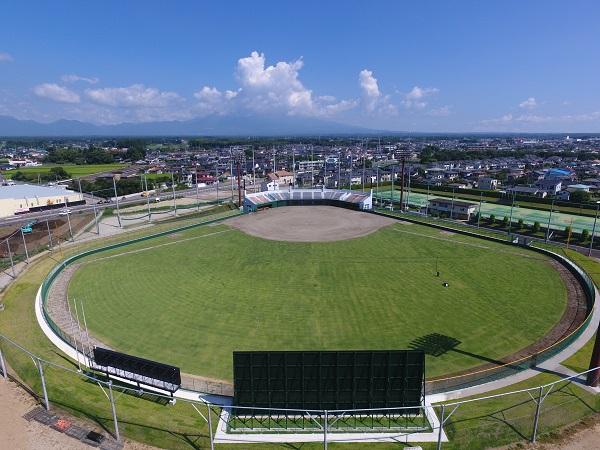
(32, 190)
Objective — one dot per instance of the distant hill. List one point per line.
(208, 126)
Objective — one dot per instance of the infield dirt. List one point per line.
(309, 224)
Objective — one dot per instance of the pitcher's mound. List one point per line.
(309, 223)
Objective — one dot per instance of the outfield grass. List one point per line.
(73, 169)
(201, 294)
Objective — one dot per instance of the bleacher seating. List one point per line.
(354, 200)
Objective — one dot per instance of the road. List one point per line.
(134, 199)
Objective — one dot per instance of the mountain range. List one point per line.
(207, 126)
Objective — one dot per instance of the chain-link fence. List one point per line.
(117, 408)
(21, 240)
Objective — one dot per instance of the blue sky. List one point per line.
(398, 65)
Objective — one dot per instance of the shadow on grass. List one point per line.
(436, 345)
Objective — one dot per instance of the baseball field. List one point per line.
(191, 298)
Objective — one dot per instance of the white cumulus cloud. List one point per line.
(57, 93)
(72, 78)
(276, 86)
(415, 99)
(213, 101)
(5, 57)
(136, 95)
(373, 99)
(270, 89)
(530, 103)
(370, 89)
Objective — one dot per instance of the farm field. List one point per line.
(73, 169)
(191, 298)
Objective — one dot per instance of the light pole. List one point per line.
(377, 181)
(95, 214)
(512, 205)
(69, 219)
(117, 199)
(549, 220)
(594, 229)
(479, 212)
(452, 206)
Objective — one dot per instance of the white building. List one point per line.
(21, 198)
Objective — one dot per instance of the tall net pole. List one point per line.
(593, 377)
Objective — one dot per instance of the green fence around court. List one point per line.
(529, 216)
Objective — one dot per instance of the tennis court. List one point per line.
(558, 222)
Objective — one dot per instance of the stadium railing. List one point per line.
(498, 418)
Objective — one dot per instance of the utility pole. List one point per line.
(69, 218)
(253, 171)
(80, 193)
(217, 177)
(363, 175)
(239, 183)
(197, 193)
(312, 166)
(339, 171)
(293, 168)
(479, 213)
(402, 161)
(148, 198)
(594, 229)
(173, 191)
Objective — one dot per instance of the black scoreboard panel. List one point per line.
(329, 379)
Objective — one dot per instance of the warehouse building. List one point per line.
(23, 198)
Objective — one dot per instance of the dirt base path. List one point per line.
(309, 223)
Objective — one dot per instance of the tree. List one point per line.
(136, 149)
(492, 219)
(58, 173)
(521, 224)
(580, 197)
(428, 154)
(568, 231)
(505, 221)
(585, 235)
(536, 227)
